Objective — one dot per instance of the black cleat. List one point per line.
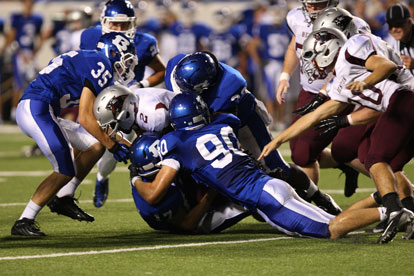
(351, 179)
(26, 227)
(66, 206)
(101, 193)
(379, 228)
(397, 220)
(326, 202)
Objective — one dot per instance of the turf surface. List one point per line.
(120, 243)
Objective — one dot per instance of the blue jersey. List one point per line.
(275, 41)
(152, 26)
(27, 28)
(226, 45)
(225, 95)
(158, 215)
(213, 157)
(188, 38)
(145, 46)
(60, 83)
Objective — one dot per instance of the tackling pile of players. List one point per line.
(194, 165)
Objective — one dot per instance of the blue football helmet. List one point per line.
(120, 50)
(188, 111)
(119, 11)
(196, 72)
(144, 154)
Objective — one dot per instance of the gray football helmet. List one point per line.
(115, 109)
(310, 16)
(336, 18)
(320, 50)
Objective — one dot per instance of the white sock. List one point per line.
(382, 211)
(70, 188)
(106, 165)
(31, 210)
(312, 189)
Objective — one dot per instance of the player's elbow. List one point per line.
(152, 199)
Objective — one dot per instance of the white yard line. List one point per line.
(132, 249)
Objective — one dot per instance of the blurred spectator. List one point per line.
(267, 50)
(22, 36)
(226, 39)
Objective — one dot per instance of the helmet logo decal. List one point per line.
(342, 21)
(116, 104)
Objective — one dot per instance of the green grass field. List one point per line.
(120, 243)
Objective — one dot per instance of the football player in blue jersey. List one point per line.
(267, 50)
(210, 151)
(224, 90)
(119, 15)
(25, 28)
(178, 210)
(72, 79)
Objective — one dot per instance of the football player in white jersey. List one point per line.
(364, 75)
(309, 150)
(151, 115)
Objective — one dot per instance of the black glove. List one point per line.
(332, 124)
(316, 101)
(133, 171)
(133, 174)
(120, 152)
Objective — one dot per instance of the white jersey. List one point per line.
(153, 108)
(350, 67)
(301, 30)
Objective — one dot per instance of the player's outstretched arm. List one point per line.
(305, 122)
(88, 120)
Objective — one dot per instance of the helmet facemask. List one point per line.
(124, 68)
(119, 18)
(115, 110)
(320, 51)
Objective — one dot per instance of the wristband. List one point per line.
(349, 119)
(323, 92)
(284, 76)
(135, 178)
(144, 83)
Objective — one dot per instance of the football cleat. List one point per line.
(326, 202)
(396, 221)
(66, 206)
(351, 179)
(101, 193)
(26, 227)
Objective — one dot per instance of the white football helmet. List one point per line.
(336, 18)
(312, 15)
(319, 51)
(115, 108)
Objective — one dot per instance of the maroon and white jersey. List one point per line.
(153, 108)
(301, 29)
(350, 66)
